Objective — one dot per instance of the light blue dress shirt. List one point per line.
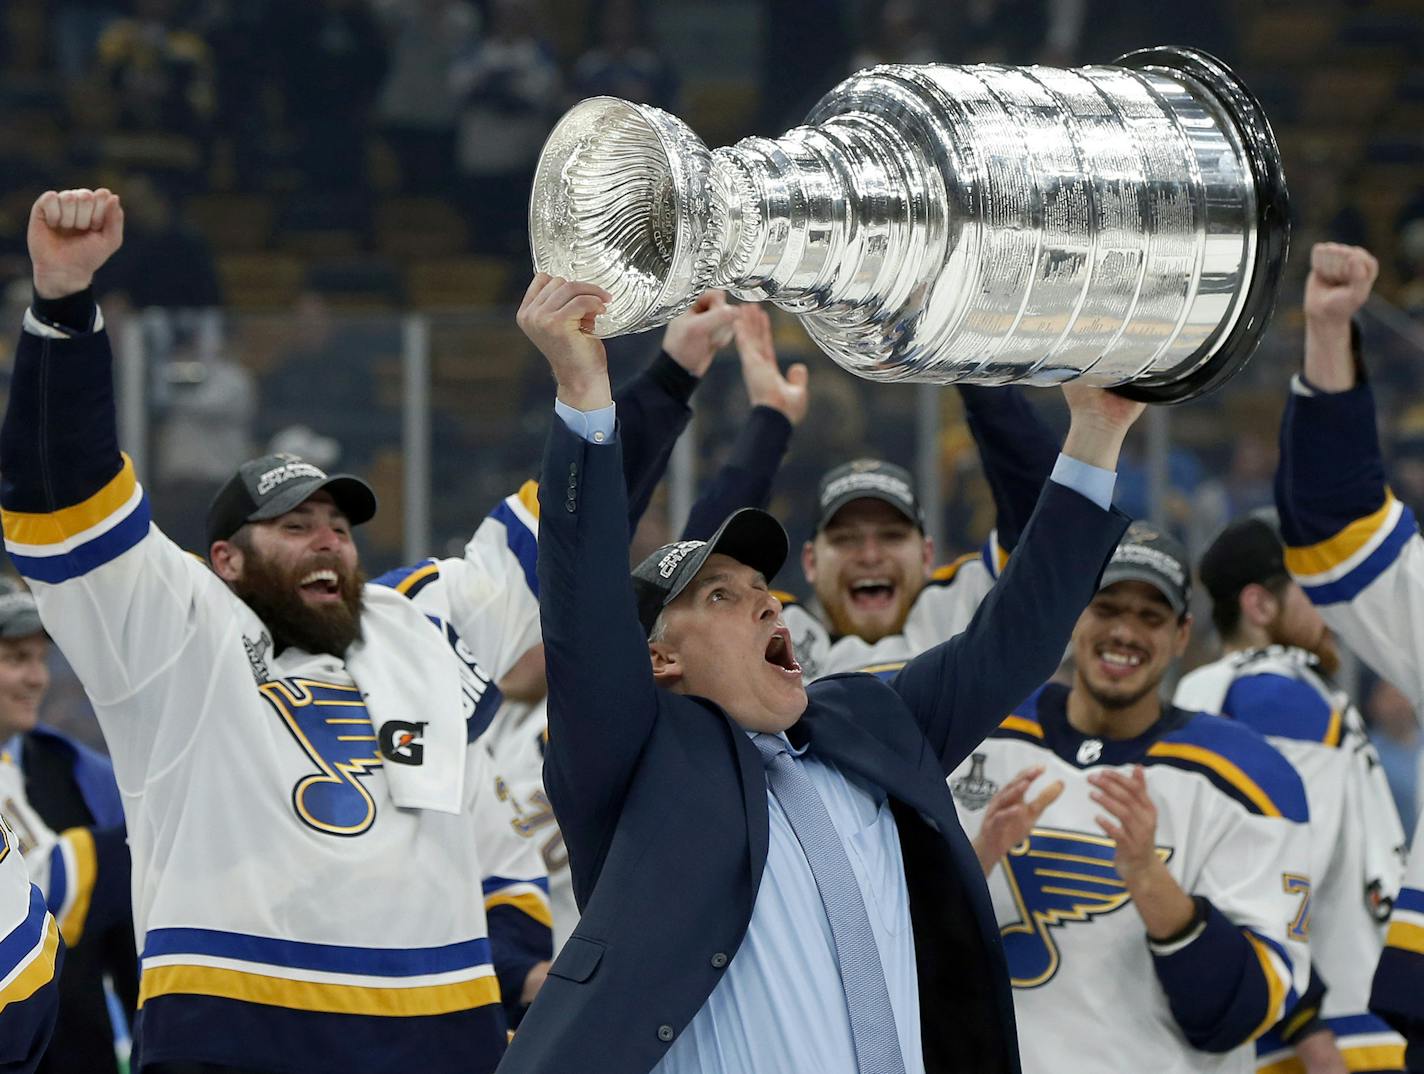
(780, 1007)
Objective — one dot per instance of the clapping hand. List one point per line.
(766, 386)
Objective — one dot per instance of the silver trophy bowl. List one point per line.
(1124, 224)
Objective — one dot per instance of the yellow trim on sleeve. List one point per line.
(1275, 987)
(413, 577)
(949, 570)
(1021, 725)
(53, 527)
(1333, 551)
(38, 973)
(536, 906)
(313, 996)
(86, 870)
(1301, 1016)
(1405, 936)
(528, 495)
(1334, 730)
(1222, 767)
(1368, 1057)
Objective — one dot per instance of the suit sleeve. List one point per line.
(602, 700)
(31, 955)
(745, 479)
(652, 413)
(1017, 451)
(1353, 547)
(961, 689)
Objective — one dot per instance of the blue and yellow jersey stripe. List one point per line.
(994, 555)
(1276, 705)
(73, 870)
(28, 953)
(519, 514)
(886, 671)
(1238, 762)
(529, 897)
(1276, 970)
(68, 543)
(1338, 568)
(1406, 922)
(946, 574)
(1366, 1043)
(325, 978)
(1019, 726)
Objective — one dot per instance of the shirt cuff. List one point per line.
(595, 426)
(1092, 482)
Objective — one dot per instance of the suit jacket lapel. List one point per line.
(753, 772)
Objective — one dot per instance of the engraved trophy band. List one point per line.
(1126, 224)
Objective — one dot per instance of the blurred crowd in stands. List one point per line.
(316, 169)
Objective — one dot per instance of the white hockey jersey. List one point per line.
(1091, 994)
(289, 914)
(30, 957)
(943, 609)
(1356, 551)
(1357, 840)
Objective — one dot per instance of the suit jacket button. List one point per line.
(665, 1033)
(570, 506)
(719, 960)
(573, 468)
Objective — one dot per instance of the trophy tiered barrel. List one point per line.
(1125, 224)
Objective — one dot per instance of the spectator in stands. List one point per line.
(417, 106)
(163, 262)
(510, 89)
(623, 63)
(334, 60)
(159, 71)
(1245, 487)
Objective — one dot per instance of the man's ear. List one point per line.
(1184, 635)
(667, 665)
(226, 559)
(808, 562)
(1259, 605)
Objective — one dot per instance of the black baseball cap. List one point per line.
(1248, 550)
(872, 479)
(749, 536)
(19, 616)
(275, 484)
(1146, 554)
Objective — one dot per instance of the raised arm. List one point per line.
(1017, 451)
(602, 700)
(653, 406)
(778, 405)
(1353, 547)
(961, 689)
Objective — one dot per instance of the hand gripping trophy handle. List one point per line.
(1124, 224)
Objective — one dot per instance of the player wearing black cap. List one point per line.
(880, 599)
(1143, 893)
(1274, 677)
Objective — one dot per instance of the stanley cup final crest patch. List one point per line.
(973, 789)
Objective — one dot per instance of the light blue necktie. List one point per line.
(872, 1019)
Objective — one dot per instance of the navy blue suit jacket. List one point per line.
(662, 798)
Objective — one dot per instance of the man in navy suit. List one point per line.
(772, 878)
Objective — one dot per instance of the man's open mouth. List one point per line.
(321, 584)
(872, 593)
(779, 654)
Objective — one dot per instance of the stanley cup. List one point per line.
(1126, 224)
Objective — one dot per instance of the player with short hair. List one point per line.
(1153, 899)
(1274, 677)
(1356, 552)
(880, 599)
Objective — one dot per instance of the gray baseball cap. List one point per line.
(749, 536)
(1146, 554)
(19, 617)
(275, 484)
(868, 479)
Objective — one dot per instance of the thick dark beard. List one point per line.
(274, 596)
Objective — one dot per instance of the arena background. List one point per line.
(326, 236)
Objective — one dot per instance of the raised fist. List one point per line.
(1340, 280)
(558, 316)
(72, 233)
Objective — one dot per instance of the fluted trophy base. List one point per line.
(1122, 225)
